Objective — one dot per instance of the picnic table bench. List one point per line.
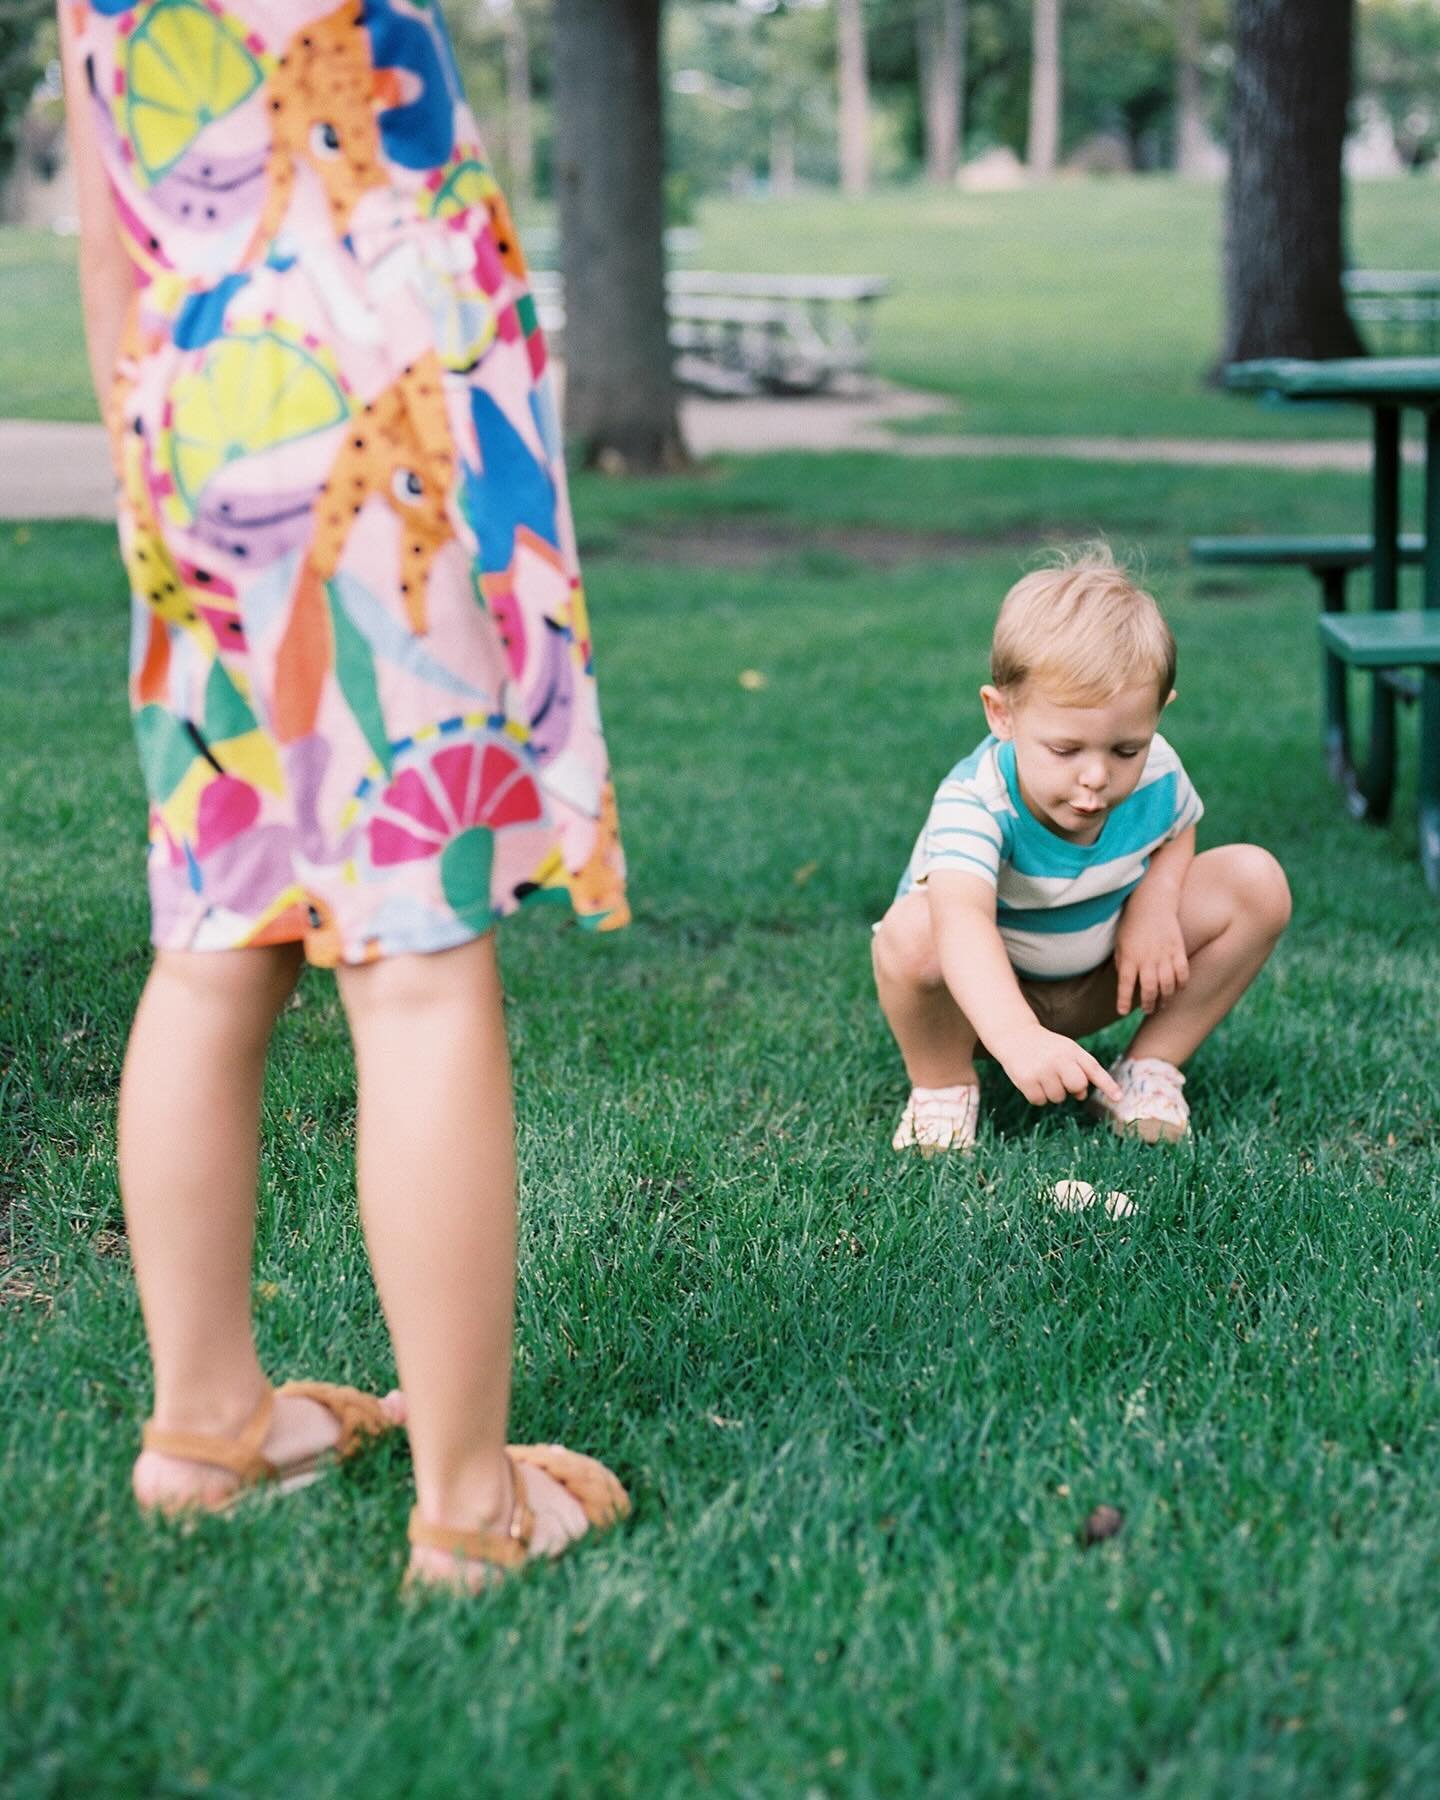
(741, 333)
(1403, 303)
(1387, 644)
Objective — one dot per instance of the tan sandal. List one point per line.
(601, 1496)
(361, 1417)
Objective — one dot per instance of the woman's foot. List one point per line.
(540, 1499)
(939, 1119)
(300, 1431)
(558, 1521)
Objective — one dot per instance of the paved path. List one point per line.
(63, 471)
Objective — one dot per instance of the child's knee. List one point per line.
(904, 948)
(1260, 889)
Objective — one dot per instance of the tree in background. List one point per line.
(620, 407)
(1043, 143)
(1400, 67)
(854, 96)
(20, 69)
(1284, 223)
(941, 47)
(1192, 135)
(503, 48)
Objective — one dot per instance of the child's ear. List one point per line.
(998, 715)
(1172, 695)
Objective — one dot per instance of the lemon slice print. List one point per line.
(185, 67)
(470, 184)
(249, 393)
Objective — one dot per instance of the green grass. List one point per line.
(862, 1404)
(1088, 307)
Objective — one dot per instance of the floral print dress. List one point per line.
(361, 663)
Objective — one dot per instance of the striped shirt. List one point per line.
(1057, 903)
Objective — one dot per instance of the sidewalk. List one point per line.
(53, 471)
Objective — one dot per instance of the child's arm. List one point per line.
(1044, 1065)
(107, 275)
(1149, 944)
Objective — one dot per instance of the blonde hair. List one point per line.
(1084, 628)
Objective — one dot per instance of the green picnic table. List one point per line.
(1387, 386)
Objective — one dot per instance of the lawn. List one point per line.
(1088, 307)
(862, 1404)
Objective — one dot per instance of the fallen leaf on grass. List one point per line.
(804, 872)
(1103, 1523)
(752, 680)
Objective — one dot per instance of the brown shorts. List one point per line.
(1076, 1005)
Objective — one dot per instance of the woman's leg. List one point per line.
(189, 1151)
(437, 1195)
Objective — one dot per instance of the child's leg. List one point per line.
(936, 1040)
(437, 1194)
(1233, 907)
(188, 1149)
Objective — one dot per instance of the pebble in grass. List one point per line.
(1076, 1196)
(1104, 1522)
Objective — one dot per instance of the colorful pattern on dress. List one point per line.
(361, 668)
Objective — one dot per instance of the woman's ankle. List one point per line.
(222, 1406)
(479, 1494)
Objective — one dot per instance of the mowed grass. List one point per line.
(863, 1404)
(1090, 307)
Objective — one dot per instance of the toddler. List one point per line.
(1055, 884)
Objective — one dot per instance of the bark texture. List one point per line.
(941, 25)
(854, 96)
(620, 404)
(1284, 223)
(1043, 146)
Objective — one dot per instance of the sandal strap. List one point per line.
(502, 1549)
(360, 1415)
(239, 1455)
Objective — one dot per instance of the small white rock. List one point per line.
(1073, 1196)
(1119, 1206)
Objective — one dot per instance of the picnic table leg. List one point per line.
(1369, 789)
(1432, 509)
(1337, 693)
(1430, 779)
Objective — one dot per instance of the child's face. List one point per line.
(1075, 762)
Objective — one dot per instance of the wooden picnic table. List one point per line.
(1404, 303)
(1387, 386)
(739, 332)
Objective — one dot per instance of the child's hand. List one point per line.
(1047, 1067)
(1150, 958)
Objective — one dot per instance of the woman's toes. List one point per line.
(559, 1516)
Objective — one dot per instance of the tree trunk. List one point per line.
(520, 139)
(1192, 138)
(941, 25)
(620, 409)
(1284, 215)
(782, 159)
(1043, 150)
(854, 96)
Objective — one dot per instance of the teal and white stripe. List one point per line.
(1057, 903)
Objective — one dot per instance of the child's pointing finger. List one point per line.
(1102, 1079)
